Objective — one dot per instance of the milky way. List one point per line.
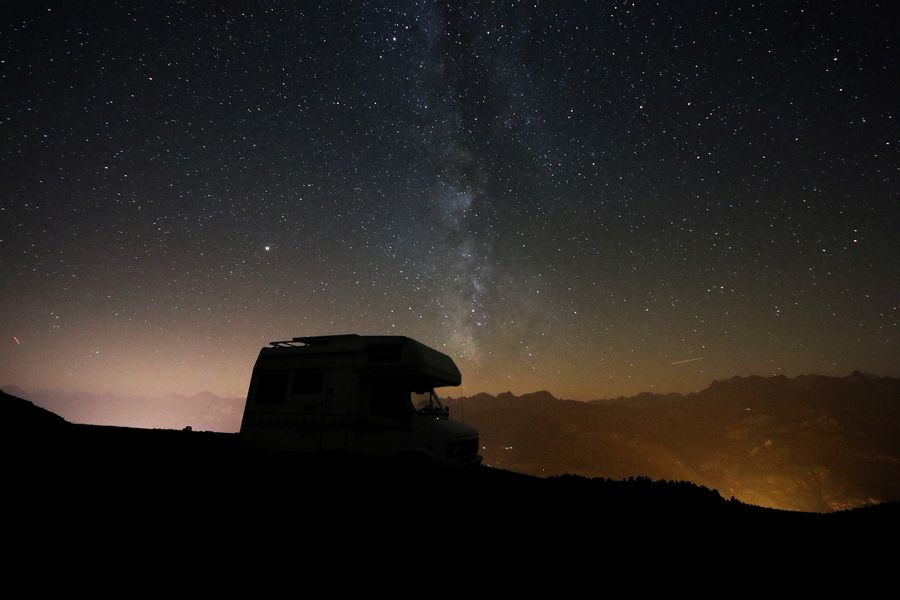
(581, 197)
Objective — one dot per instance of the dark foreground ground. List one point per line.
(164, 513)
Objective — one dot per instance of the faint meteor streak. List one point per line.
(17, 340)
(681, 362)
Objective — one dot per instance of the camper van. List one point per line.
(360, 397)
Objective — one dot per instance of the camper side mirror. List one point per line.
(447, 411)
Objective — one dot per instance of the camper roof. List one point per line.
(384, 354)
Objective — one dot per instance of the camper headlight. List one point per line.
(460, 448)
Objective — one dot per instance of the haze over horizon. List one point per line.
(445, 392)
(596, 200)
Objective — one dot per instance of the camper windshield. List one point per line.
(426, 402)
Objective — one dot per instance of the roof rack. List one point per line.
(316, 340)
(285, 344)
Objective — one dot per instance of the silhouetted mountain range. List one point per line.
(810, 443)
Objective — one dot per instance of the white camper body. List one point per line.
(365, 397)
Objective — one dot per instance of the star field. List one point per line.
(593, 198)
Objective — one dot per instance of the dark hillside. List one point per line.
(154, 512)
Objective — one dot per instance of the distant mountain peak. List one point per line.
(862, 375)
(737, 384)
(539, 396)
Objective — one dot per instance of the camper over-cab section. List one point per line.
(367, 397)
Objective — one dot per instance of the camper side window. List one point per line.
(271, 388)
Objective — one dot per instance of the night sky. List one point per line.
(592, 198)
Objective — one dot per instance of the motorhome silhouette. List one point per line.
(363, 397)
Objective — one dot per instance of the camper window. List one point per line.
(427, 403)
(271, 387)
